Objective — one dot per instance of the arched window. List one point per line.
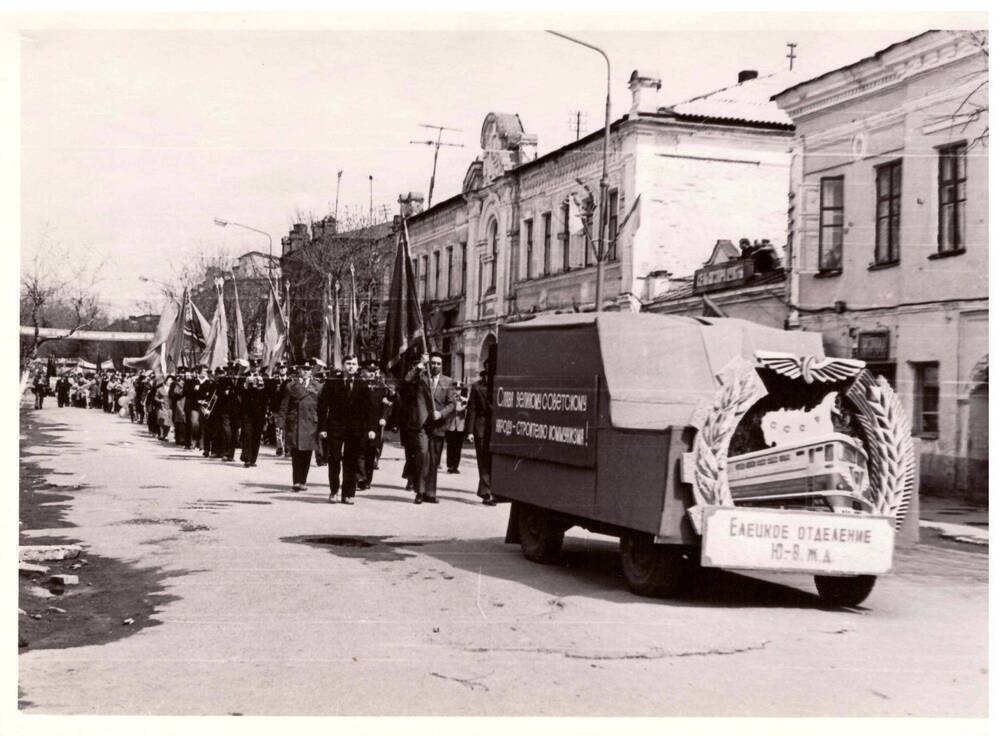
(494, 237)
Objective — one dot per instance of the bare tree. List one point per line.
(60, 290)
(974, 107)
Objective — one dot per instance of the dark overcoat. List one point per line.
(299, 404)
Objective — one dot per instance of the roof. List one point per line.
(874, 57)
(660, 368)
(747, 102)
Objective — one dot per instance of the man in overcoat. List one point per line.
(434, 399)
(299, 404)
(253, 409)
(345, 420)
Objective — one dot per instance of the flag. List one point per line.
(326, 321)
(108, 365)
(352, 317)
(175, 345)
(337, 354)
(241, 337)
(217, 342)
(151, 361)
(403, 323)
(275, 331)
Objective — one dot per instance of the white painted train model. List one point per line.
(823, 472)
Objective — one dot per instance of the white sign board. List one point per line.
(796, 541)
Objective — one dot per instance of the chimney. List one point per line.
(645, 87)
(411, 203)
(746, 75)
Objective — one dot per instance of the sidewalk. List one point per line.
(955, 519)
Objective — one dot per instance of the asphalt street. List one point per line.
(280, 603)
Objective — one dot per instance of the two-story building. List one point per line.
(889, 243)
(514, 241)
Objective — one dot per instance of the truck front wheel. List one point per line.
(844, 591)
(655, 570)
(540, 535)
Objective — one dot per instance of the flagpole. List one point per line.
(420, 315)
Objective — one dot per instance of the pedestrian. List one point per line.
(479, 427)
(345, 420)
(40, 385)
(435, 401)
(298, 418)
(178, 411)
(253, 409)
(206, 409)
(226, 410)
(164, 414)
(276, 386)
(379, 407)
(454, 430)
(63, 387)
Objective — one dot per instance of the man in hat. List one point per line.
(379, 407)
(253, 407)
(299, 404)
(178, 409)
(345, 419)
(275, 388)
(225, 406)
(62, 390)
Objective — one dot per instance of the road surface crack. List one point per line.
(654, 653)
(470, 683)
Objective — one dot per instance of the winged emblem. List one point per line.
(808, 368)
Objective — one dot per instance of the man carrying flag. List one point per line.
(404, 336)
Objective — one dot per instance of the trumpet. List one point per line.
(255, 380)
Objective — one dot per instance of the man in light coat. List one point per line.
(299, 403)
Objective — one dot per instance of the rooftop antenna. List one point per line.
(577, 119)
(437, 146)
(791, 55)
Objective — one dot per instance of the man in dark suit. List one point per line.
(435, 394)
(345, 419)
(379, 407)
(253, 408)
(479, 426)
(62, 390)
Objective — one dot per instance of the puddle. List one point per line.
(370, 549)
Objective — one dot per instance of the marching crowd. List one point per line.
(337, 417)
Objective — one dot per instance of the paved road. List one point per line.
(423, 609)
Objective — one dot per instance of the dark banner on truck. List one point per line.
(546, 419)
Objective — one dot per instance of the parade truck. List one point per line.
(699, 442)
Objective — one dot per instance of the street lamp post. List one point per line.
(602, 205)
(270, 245)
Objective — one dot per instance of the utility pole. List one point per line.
(336, 203)
(437, 147)
(791, 55)
(371, 215)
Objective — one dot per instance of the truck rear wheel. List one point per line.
(540, 535)
(844, 591)
(655, 570)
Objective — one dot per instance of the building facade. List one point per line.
(889, 236)
(514, 242)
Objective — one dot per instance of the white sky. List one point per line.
(134, 140)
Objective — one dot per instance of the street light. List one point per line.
(167, 288)
(225, 223)
(602, 206)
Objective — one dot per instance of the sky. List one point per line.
(134, 141)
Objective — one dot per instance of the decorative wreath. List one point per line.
(886, 429)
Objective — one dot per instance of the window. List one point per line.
(546, 242)
(451, 259)
(565, 237)
(828, 453)
(416, 269)
(437, 274)
(925, 399)
(889, 185)
(588, 237)
(423, 277)
(494, 236)
(951, 198)
(831, 223)
(612, 251)
(529, 248)
(461, 289)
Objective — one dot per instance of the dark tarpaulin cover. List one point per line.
(659, 368)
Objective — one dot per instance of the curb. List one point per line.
(958, 532)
